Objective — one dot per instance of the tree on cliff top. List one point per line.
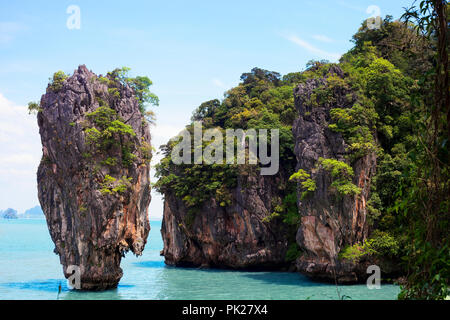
(141, 86)
(119, 76)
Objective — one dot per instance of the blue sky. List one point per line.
(192, 50)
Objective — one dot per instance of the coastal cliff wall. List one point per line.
(330, 220)
(334, 133)
(233, 236)
(257, 230)
(93, 179)
(229, 215)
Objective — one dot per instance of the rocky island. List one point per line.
(351, 190)
(327, 213)
(93, 179)
(225, 215)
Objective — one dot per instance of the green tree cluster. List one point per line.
(140, 85)
(401, 73)
(423, 200)
(263, 100)
(111, 141)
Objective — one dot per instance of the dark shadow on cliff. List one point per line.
(218, 267)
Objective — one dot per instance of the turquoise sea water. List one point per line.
(30, 270)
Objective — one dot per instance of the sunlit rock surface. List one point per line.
(93, 221)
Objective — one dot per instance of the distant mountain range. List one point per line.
(10, 213)
(33, 212)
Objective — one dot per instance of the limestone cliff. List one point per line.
(234, 236)
(329, 220)
(254, 229)
(93, 180)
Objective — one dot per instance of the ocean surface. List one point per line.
(30, 270)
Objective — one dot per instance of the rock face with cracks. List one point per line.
(234, 236)
(93, 179)
(329, 221)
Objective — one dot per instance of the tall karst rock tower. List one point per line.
(93, 180)
(333, 212)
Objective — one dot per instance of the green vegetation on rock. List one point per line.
(140, 85)
(34, 107)
(308, 184)
(105, 130)
(342, 175)
(111, 185)
(57, 80)
(381, 244)
(263, 100)
(111, 141)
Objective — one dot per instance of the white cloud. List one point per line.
(20, 66)
(161, 134)
(165, 132)
(218, 83)
(322, 38)
(351, 6)
(312, 49)
(20, 152)
(21, 158)
(9, 30)
(16, 173)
